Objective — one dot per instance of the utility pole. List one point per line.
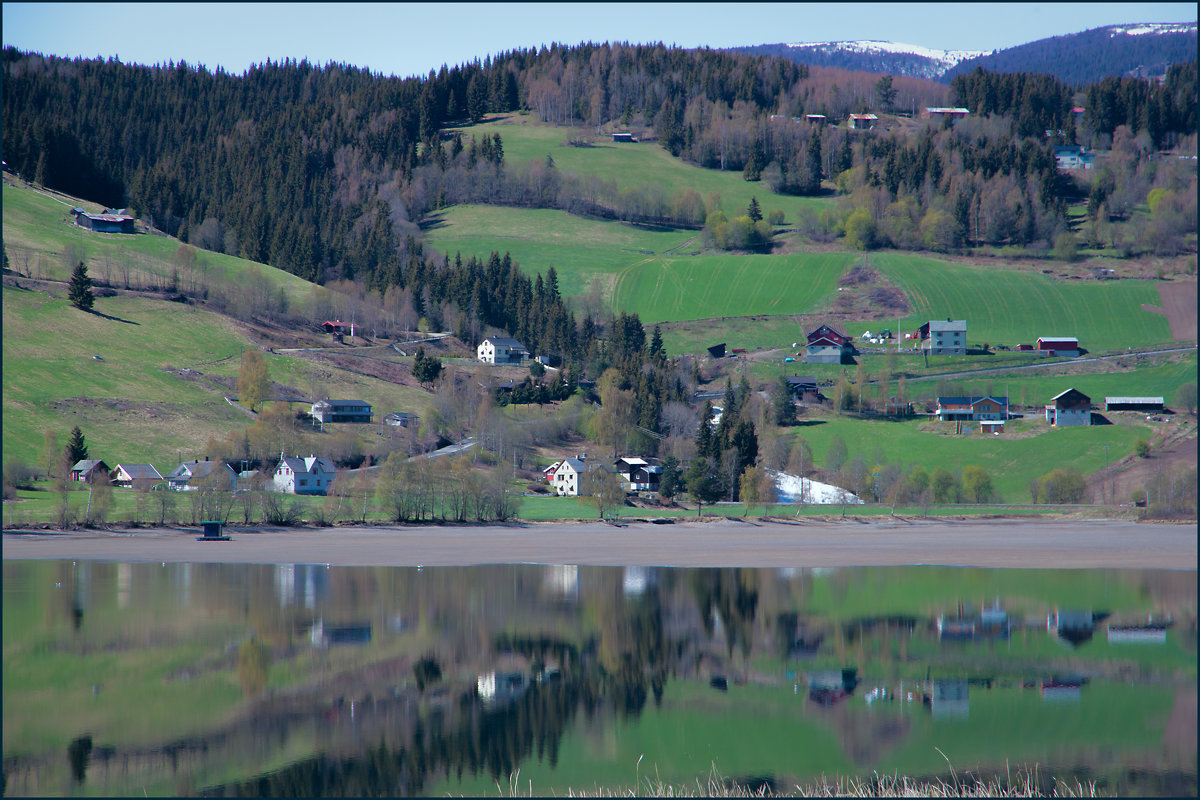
(1106, 476)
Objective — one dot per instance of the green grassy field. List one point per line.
(1012, 460)
(130, 408)
(642, 164)
(1011, 307)
(41, 226)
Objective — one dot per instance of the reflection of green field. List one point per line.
(772, 731)
(1012, 307)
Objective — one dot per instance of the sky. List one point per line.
(406, 39)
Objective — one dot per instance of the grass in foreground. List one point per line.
(1024, 784)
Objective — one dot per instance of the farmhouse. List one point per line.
(1065, 346)
(130, 475)
(971, 409)
(638, 474)
(310, 475)
(567, 477)
(947, 338)
(401, 419)
(341, 411)
(1069, 408)
(189, 476)
(827, 344)
(1069, 157)
(861, 122)
(88, 469)
(501, 350)
(111, 221)
(1144, 404)
(804, 387)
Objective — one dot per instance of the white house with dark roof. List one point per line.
(131, 475)
(568, 477)
(947, 338)
(1069, 408)
(312, 475)
(501, 350)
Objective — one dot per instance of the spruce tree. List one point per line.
(754, 211)
(80, 293)
(76, 449)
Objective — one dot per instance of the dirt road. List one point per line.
(720, 543)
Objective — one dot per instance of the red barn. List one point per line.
(1066, 346)
(827, 344)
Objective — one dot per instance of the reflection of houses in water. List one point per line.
(563, 580)
(1073, 627)
(495, 687)
(955, 627)
(329, 635)
(1061, 689)
(637, 579)
(301, 584)
(948, 698)
(991, 621)
(1152, 632)
(827, 687)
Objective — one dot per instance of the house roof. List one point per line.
(574, 463)
(832, 326)
(967, 401)
(1146, 400)
(504, 341)
(946, 110)
(196, 469)
(801, 380)
(863, 116)
(140, 471)
(87, 464)
(634, 461)
(339, 403)
(307, 465)
(1061, 339)
(1068, 391)
(949, 326)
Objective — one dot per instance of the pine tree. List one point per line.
(76, 449)
(656, 342)
(80, 293)
(754, 211)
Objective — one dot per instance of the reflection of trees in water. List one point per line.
(733, 594)
(495, 738)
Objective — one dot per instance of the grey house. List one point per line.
(947, 338)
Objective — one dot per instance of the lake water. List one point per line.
(218, 680)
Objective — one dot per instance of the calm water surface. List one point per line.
(220, 680)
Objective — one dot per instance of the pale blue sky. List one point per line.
(410, 39)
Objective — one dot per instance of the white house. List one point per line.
(948, 338)
(501, 350)
(567, 477)
(312, 475)
(1069, 408)
(191, 475)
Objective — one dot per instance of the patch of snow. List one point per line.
(794, 489)
(947, 57)
(1152, 27)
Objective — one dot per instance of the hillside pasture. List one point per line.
(1016, 307)
(38, 230)
(632, 164)
(129, 405)
(1030, 448)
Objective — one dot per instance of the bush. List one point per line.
(1142, 448)
(1062, 486)
(18, 474)
(775, 217)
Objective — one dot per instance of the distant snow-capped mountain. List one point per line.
(940, 60)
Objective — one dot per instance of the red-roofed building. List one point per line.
(827, 344)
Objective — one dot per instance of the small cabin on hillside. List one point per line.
(108, 222)
(861, 122)
(90, 469)
(627, 138)
(1065, 346)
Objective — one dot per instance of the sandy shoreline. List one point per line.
(1058, 544)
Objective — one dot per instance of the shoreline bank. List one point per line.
(1005, 543)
